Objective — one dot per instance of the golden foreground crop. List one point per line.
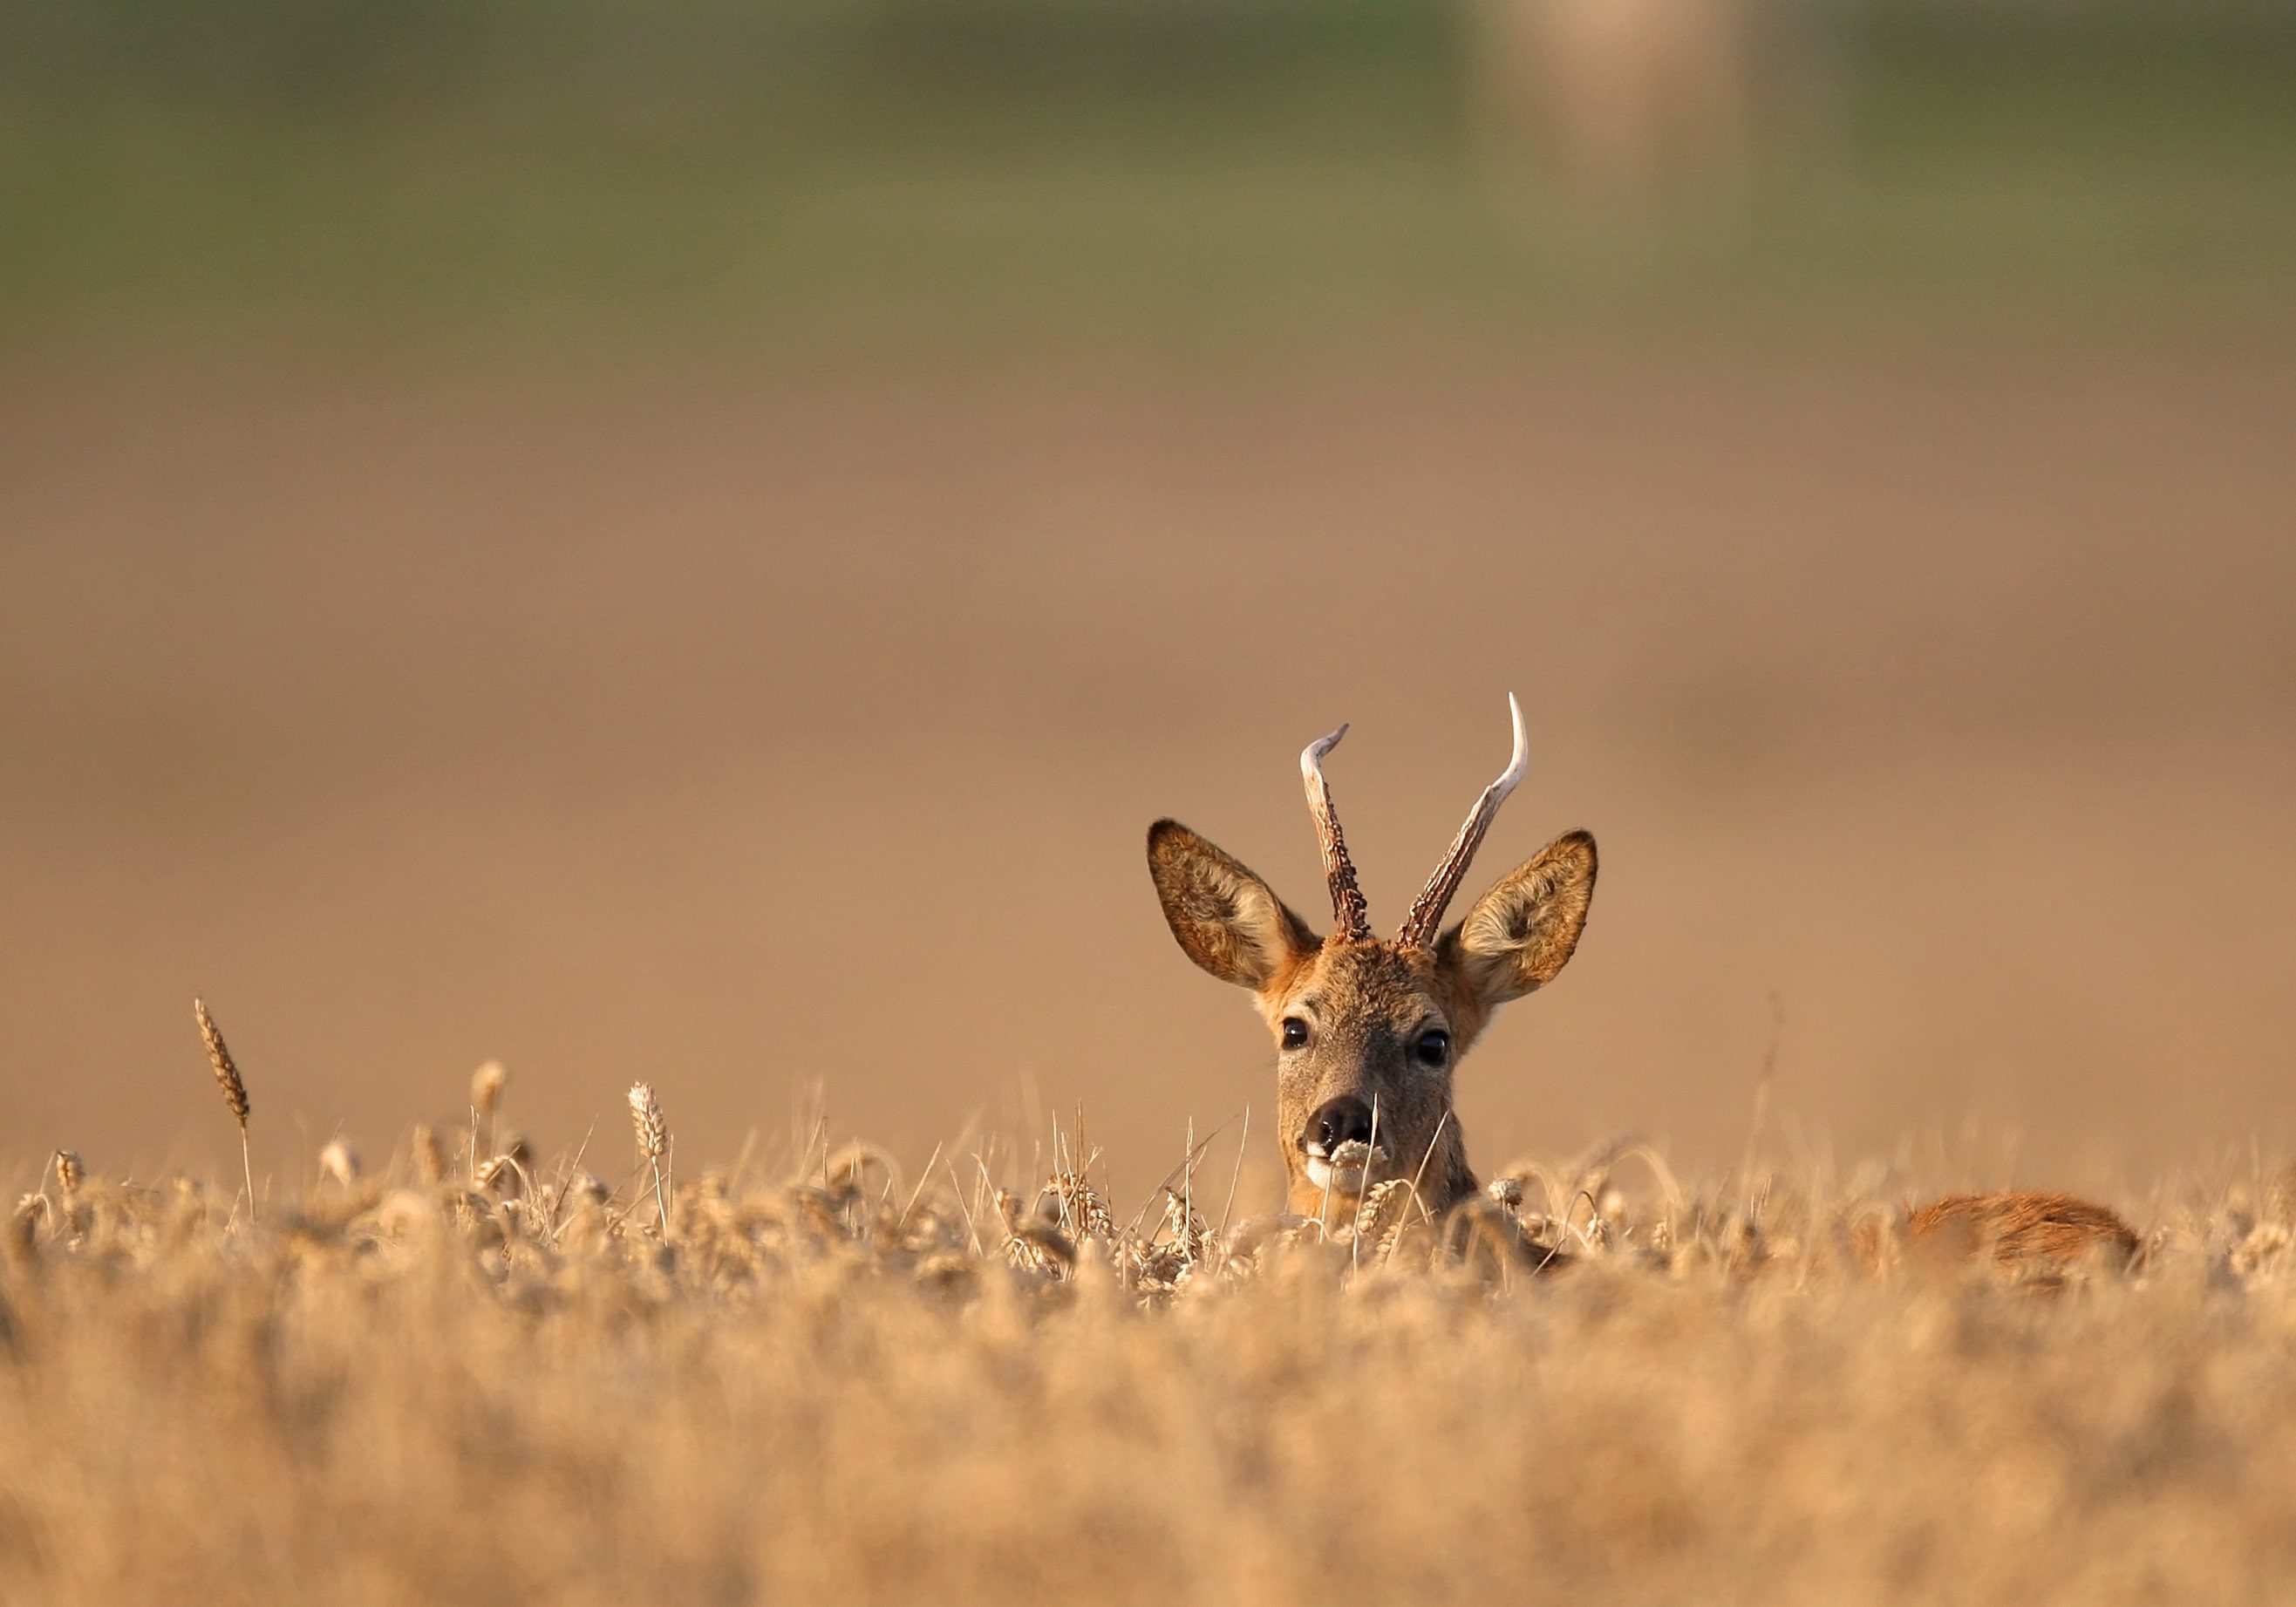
(502, 1382)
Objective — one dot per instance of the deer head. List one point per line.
(1369, 1031)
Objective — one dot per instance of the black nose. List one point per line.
(1340, 1120)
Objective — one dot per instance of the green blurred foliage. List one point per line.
(981, 169)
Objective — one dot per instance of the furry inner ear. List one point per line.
(1522, 933)
(1228, 920)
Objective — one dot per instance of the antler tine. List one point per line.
(1426, 916)
(1348, 908)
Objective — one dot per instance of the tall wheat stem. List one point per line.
(235, 1092)
(653, 1139)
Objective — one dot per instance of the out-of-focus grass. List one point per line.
(976, 168)
(831, 1380)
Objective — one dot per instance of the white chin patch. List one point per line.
(1342, 1176)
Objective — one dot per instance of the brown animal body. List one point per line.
(2022, 1229)
(1369, 1031)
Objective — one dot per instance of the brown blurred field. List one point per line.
(760, 729)
(834, 1378)
(689, 542)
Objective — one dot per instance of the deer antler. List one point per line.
(1426, 916)
(1347, 906)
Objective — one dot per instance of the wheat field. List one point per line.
(475, 1374)
(684, 546)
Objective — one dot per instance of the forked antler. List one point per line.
(1348, 907)
(1426, 917)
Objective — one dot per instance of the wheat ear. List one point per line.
(486, 1085)
(654, 1141)
(234, 1091)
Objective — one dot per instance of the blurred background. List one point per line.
(690, 540)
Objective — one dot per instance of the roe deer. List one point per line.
(1368, 1031)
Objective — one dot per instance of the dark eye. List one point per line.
(1295, 1032)
(1433, 1047)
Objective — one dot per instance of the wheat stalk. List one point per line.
(501, 1174)
(341, 1162)
(486, 1098)
(428, 1156)
(1363, 1186)
(68, 1172)
(654, 1142)
(234, 1091)
(1379, 1212)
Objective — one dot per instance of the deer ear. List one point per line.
(1520, 933)
(1227, 919)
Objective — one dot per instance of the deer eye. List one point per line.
(1433, 1047)
(1295, 1032)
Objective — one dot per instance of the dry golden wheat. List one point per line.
(815, 1389)
(486, 1085)
(646, 1121)
(226, 1070)
(1083, 1214)
(340, 1162)
(429, 1156)
(234, 1089)
(652, 1132)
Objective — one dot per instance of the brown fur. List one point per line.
(1367, 1002)
(2022, 1229)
